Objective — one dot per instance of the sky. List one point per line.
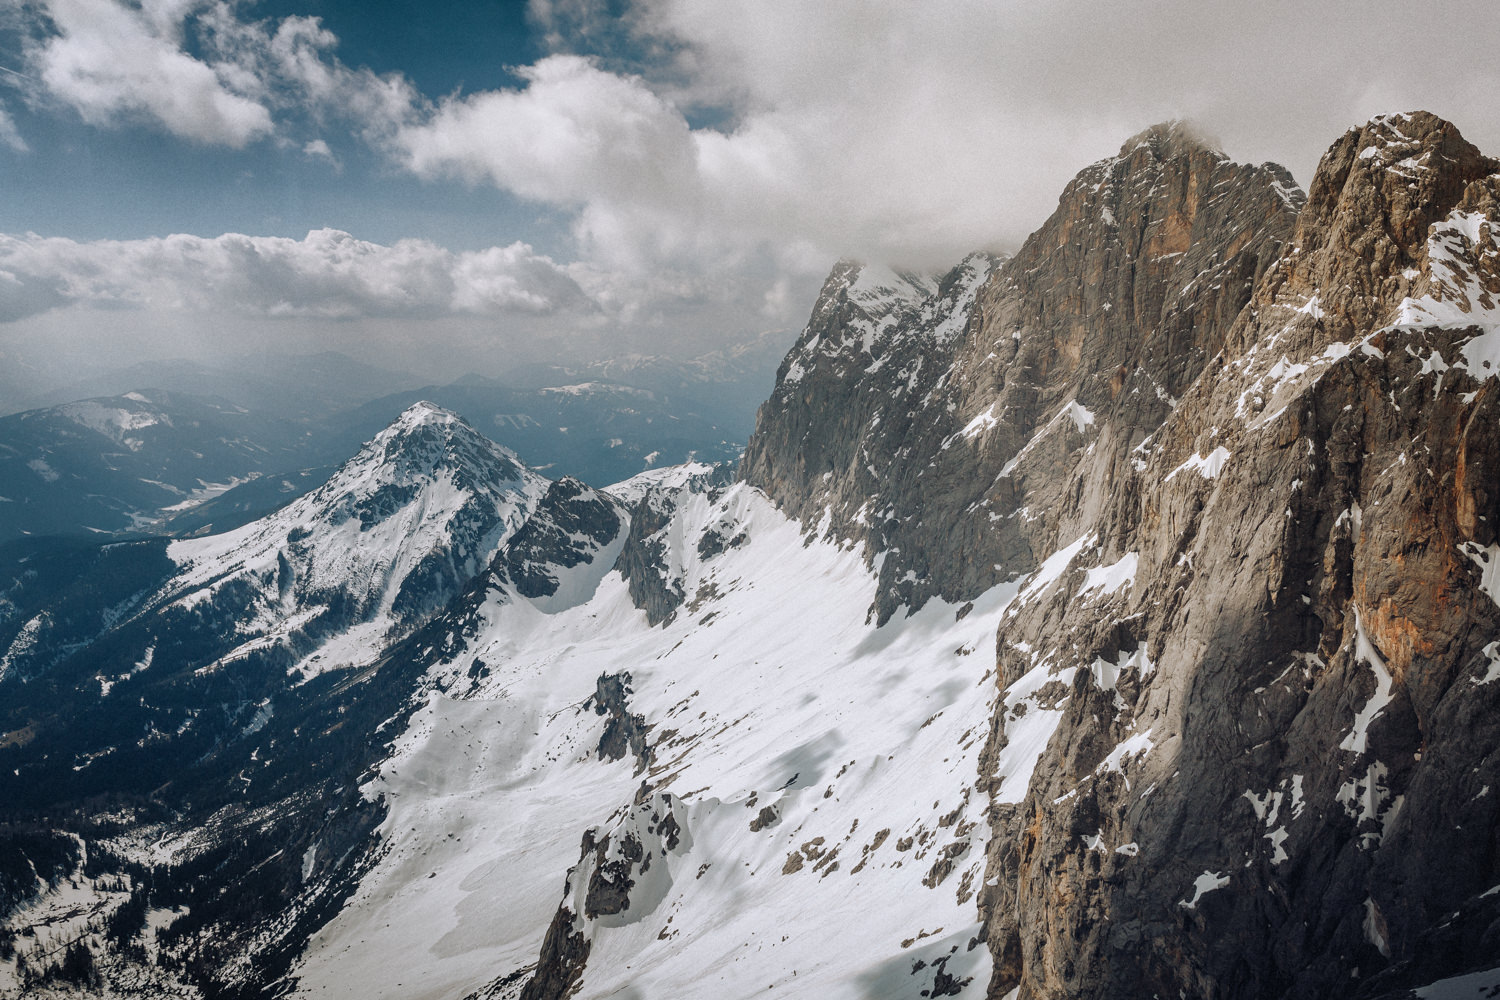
(444, 187)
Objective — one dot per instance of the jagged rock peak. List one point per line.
(879, 289)
(859, 303)
(1180, 139)
(1171, 138)
(1362, 243)
(1004, 377)
(1405, 171)
(1175, 149)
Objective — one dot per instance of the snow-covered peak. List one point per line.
(425, 438)
(421, 421)
(423, 412)
(881, 291)
(860, 304)
(397, 532)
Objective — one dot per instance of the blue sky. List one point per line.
(87, 182)
(453, 186)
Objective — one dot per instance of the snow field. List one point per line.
(864, 743)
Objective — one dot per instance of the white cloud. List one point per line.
(110, 60)
(906, 132)
(317, 149)
(9, 135)
(577, 137)
(573, 133)
(862, 129)
(113, 62)
(327, 275)
(290, 65)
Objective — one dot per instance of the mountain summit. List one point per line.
(394, 535)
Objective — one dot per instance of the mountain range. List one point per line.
(190, 448)
(1117, 618)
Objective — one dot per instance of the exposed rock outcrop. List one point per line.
(649, 560)
(625, 731)
(1022, 385)
(623, 873)
(571, 524)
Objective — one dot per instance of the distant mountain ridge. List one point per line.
(117, 464)
(198, 463)
(265, 382)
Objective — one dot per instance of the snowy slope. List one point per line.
(630, 491)
(816, 767)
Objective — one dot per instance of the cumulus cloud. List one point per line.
(575, 136)
(327, 275)
(202, 72)
(290, 65)
(317, 149)
(909, 133)
(109, 60)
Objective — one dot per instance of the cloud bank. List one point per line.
(711, 155)
(327, 275)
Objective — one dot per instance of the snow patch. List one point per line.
(1487, 558)
(1053, 567)
(1208, 466)
(1202, 885)
(1131, 747)
(1108, 579)
(1364, 650)
(1472, 986)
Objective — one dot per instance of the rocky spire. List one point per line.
(1361, 243)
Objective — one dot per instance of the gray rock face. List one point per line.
(1022, 385)
(571, 524)
(1303, 724)
(626, 731)
(645, 560)
(642, 561)
(1239, 457)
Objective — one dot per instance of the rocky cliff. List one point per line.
(1022, 385)
(1240, 459)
